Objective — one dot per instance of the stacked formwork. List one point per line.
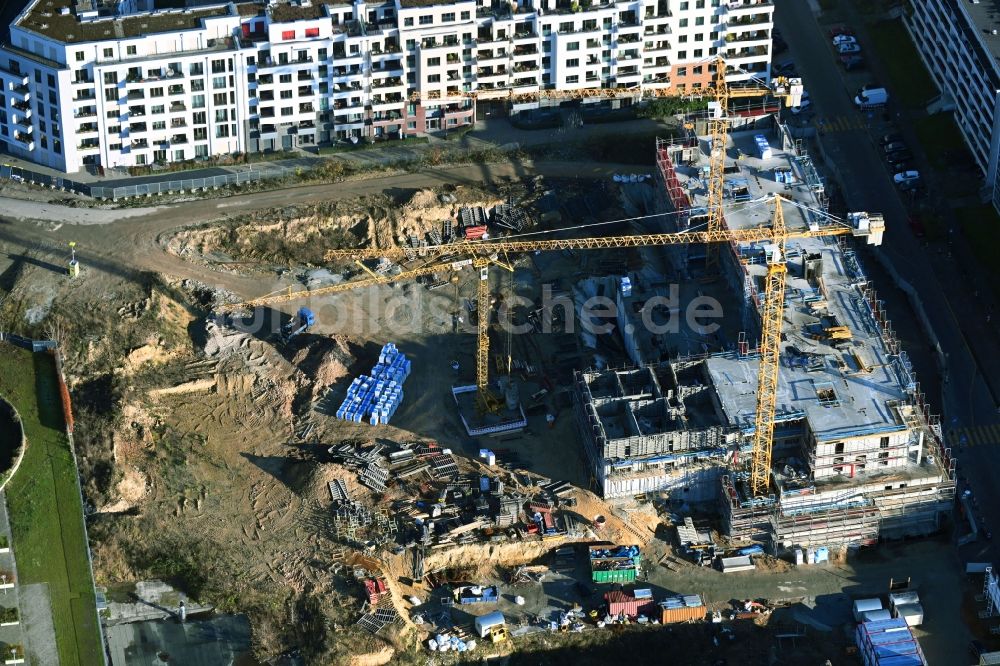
(375, 398)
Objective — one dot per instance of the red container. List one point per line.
(620, 603)
(475, 232)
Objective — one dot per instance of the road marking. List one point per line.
(839, 124)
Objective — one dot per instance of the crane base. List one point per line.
(478, 423)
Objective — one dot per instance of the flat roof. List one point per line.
(44, 18)
(985, 17)
(286, 13)
(410, 4)
(826, 386)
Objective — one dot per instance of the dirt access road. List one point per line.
(123, 242)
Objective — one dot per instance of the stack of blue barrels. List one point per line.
(376, 398)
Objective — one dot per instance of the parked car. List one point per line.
(906, 177)
(901, 165)
(893, 147)
(852, 62)
(902, 157)
(848, 48)
(894, 137)
(917, 226)
(844, 39)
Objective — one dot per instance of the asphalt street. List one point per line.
(946, 289)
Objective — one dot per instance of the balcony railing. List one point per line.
(24, 106)
(140, 143)
(177, 106)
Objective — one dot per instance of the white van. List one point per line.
(871, 98)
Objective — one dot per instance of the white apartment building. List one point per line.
(113, 83)
(959, 41)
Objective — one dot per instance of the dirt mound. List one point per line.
(383, 656)
(325, 360)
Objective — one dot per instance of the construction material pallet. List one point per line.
(338, 491)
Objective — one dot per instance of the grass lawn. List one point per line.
(45, 507)
(908, 76)
(942, 140)
(980, 225)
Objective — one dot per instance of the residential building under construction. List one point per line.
(856, 453)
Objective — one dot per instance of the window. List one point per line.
(197, 101)
(684, 6)
(683, 23)
(697, 69)
(156, 109)
(285, 78)
(682, 55)
(466, 16)
(111, 94)
(573, 46)
(411, 125)
(198, 118)
(434, 78)
(312, 32)
(112, 115)
(575, 78)
(682, 39)
(159, 124)
(179, 155)
(197, 85)
(699, 20)
(286, 110)
(156, 92)
(200, 133)
(221, 116)
(698, 53)
(201, 151)
(130, 50)
(426, 20)
(573, 62)
(433, 62)
(448, 17)
(79, 56)
(286, 94)
(408, 23)
(219, 99)
(109, 53)
(221, 131)
(218, 82)
(288, 34)
(57, 146)
(110, 78)
(140, 160)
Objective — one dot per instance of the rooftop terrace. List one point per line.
(45, 18)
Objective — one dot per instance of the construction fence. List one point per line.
(247, 175)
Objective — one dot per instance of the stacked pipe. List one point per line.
(375, 398)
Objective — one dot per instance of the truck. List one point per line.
(303, 320)
(871, 98)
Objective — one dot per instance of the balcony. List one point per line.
(84, 96)
(753, 19)
(526, 67)
(178, 122)
(656, 47)
(89, 144)
(267, 96)
(137, 128)
(628, 38)
(175, 90)
(306, 125)
(524, 36)
(178, 139)
(390, 100)
(304, 75)
(267, 112)
(305, 91)
(24, 122)
(751, 52)
(26, 108)
(307, 108)
(391, 82)
(134, 95)
(82, 80)
(140, 143)
(177, 107)
(520, 51)
(492, 55)
(136, 111)
(88, 128)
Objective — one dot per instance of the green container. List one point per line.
(614, 576)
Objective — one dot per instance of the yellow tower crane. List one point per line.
(484, 252)
(787, 90)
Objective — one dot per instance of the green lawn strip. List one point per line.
(908, 76)
(45, 508)
(941, 139)
(980, 224)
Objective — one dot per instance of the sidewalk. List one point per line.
(492, 133)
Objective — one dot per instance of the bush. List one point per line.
(665, 107)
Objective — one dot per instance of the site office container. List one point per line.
(683, 614)
(620, 603)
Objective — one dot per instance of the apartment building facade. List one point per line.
(112, 83)
(958, 40)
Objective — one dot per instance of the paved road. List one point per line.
(947, 290)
